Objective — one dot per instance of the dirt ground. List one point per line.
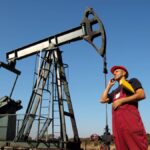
(93, 146)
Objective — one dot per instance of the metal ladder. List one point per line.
(44, 119)
(35, 99)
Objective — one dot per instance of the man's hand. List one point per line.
(111, 82)
(116, 104)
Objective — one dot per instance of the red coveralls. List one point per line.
(128, 129)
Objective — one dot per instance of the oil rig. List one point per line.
(50, 102)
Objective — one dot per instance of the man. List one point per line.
(128, 129)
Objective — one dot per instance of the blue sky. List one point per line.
(127, 28)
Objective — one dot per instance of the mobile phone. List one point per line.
(112, 80)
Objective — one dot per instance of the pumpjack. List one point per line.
(50, 101)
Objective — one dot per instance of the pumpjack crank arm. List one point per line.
(84, 31)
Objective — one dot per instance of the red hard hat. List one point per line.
(119, 67)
